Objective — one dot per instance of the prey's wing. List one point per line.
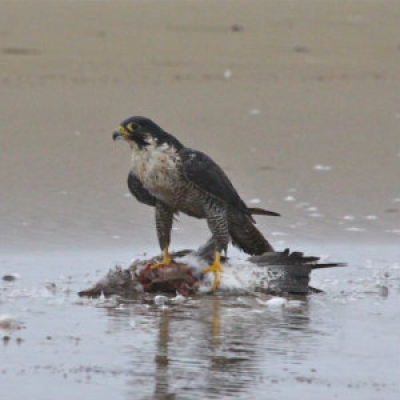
(208, 176)
(137, 189)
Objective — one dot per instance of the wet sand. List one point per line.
(297, 101)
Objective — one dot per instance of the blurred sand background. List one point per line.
(299, 101)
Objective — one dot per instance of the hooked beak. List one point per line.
(116, 135)
(120, 133)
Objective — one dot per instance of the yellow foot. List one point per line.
(165, 261)
(215, 267)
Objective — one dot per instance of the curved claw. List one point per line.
(215, 267)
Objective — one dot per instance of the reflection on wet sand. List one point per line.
(217, 345)
(161, 389)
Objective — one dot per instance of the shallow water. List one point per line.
(343, 343)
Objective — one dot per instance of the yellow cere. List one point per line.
(122, 130)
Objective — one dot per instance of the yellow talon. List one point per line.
(165, 261)
(215, 267)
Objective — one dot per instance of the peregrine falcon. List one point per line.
(173, 178)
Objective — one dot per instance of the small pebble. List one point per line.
(383, 291)
(237, 28)
(354, 229)
(320, 167)
(10, 277)
(6, 339)
(290, 198)
(227, 74)
(9, 322)
(298, 48)
(255, 201)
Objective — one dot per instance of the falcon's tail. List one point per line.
(245, 235)
(261, 211)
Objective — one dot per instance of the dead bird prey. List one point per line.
(173, 178)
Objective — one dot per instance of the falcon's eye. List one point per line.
(132, 126)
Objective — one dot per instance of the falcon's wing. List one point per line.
(208, 176)
(137, 189)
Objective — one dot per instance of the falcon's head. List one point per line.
(142, 132)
